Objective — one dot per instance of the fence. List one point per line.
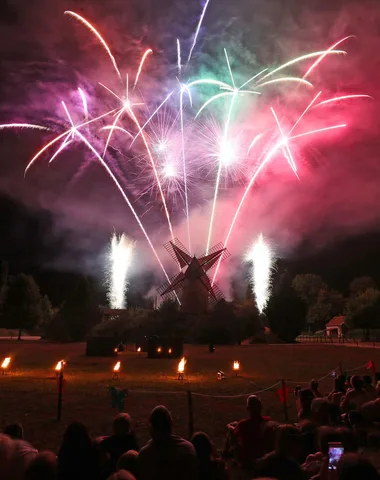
(334, 340)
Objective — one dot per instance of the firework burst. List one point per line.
(178, 153)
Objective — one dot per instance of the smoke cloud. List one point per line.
(46, 56)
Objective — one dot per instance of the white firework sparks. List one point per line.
(119, 260)
(261, 257)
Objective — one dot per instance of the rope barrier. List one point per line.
(236, 396)
(244, 392)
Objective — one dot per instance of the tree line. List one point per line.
(303, 303)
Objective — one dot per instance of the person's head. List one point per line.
(288, 441)
(367, 380)
(122, 475)
(254, 406)
(349, 439)
(15, 431)
(334, 414)
(327, 435)
(129, 461)
(320, 411)
(308, 431)
(203, 446)
(305, 396)
(43, 467)
(356, 419)
(356, 382)
(122, 424)
(354, 467)
(76, 434)
(314, 384)
(339, 384)
(161, 423)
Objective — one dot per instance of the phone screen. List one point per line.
(335, 452)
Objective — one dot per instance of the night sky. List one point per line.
(56, 222)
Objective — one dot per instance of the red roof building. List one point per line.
(336, 326)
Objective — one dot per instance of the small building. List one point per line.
(336, 327)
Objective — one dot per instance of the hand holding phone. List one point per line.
(336, 450)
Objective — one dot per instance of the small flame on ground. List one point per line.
(181, 365)
(236, 365)
(116, 368)
(59, 365)
(170, 351)
(139, 349)
(6, 362)
(159, 350)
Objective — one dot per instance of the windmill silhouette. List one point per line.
(192, 284)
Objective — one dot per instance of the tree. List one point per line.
(308, 287)
(360, 285)
(79, 312)
(363, 311)
(3, 281)
(22, 304)
(47, 314)
(169, 319)
(218, 327)
(285, 311)
(248, 321)
(328, 304)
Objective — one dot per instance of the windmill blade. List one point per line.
(172, 285)
(209, 259)
(216, 297)
(178, 252)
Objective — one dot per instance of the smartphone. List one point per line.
(336, 450)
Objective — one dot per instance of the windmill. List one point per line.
(192, 284)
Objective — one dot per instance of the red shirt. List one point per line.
(250, 436)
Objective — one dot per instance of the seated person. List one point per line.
(251, 435)
(356, 396)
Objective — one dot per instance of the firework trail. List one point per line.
(261, 258)
(197, 30)
(149, 51)
(267, 157)
(23, 125)
(339, 99)
(128, 108)
(119, 259)
(179, 61)
(84, 102)
(67, 133)
(74, 131)
(184, 167)
(324, 54)
(97, 34)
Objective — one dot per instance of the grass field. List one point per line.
(28, 393)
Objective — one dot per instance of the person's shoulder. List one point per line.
(243, 423)
(182, 441)
(146, 449)
(24, 448)
(105, 441)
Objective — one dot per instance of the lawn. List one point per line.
(28, 393)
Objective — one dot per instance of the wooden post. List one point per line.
(284, 400)
(60, 391)
(190, 413)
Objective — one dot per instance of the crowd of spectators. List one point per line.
(256, 447)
